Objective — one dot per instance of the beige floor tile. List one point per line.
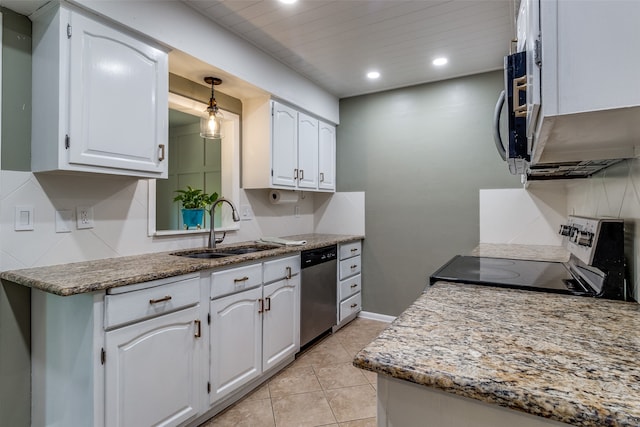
(302, 410)
(341, 375)
(247, 413)
(367, 422)
(294, 380)
(352, 403)
(372, 377)
(262, 392)
(328, 352)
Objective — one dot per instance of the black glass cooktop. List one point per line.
(511, 273)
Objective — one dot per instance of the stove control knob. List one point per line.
(584, 238)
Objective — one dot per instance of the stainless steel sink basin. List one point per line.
(224, 252)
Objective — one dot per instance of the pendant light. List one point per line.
(211, 126)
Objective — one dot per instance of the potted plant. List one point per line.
(194, 203)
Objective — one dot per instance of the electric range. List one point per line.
(596, 266)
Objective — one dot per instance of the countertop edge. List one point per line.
(38, 277)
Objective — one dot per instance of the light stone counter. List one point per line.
(532, 252)
(570, 359)
(102, 274)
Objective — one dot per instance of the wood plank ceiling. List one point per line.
(334, 43)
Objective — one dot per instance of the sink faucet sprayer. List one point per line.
(212, 233)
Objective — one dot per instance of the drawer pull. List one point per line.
(354, 266)
(159, 300)
(242, 279)
(161, 157)
(261, 305)
(354, 305)
(321, 177)
(354, 250)
(198, 324)
(288, 276)
(355, 285)
(268, 303)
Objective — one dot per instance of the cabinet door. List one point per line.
(118, 99)
(307, 152)
(281, 321)
(151, 371)
(236, 341)
(327, 157)
(284, 141)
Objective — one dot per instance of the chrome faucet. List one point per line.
(212, 233)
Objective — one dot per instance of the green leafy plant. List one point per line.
(194, 198)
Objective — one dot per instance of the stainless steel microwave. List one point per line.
(515, 149)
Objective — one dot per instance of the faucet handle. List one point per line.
(220, 239)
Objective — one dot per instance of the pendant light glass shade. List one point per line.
(211, 125)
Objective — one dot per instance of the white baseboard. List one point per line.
(376, 316)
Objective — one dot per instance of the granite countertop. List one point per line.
(102, 274)
(571, 359)
(532, 252)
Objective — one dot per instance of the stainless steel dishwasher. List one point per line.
(318, 292)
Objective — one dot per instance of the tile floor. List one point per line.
(320, 388)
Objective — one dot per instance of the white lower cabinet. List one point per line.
(349, 281)
(151, 371)
(236, 341)
(254, 330)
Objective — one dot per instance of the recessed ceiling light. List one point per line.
(373, 75)
(288, 1)
(440, 61)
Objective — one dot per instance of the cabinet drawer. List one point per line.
(350, 306)
(137, 305)
(227, 282)
(281, 268)
(348, 250)
(349, 267)
(350, 286)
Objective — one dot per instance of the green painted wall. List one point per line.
(421, 154)
(16, 91)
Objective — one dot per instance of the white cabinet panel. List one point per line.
(281, 268)
(349, 267)
(281, 321)
(350, 286)
(326, 157)
(100, 97)
(284, 140)
(236, 341)
(350, 306)
(237, 279)
(151, 371)
(348, 250)
(307, 152)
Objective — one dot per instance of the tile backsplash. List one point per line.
(121, 219)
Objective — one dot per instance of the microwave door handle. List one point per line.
(496, 127)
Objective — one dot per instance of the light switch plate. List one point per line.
(23, 218)
(64, 221)
(246, 213)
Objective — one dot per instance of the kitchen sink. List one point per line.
(224, 252)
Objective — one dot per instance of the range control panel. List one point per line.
(582, 235)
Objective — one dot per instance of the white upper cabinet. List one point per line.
(326, 157)
(100, 97)
(284, 145)
(584, 78)
(287, 149)
(307, 152)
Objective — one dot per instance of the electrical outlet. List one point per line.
(84, 217)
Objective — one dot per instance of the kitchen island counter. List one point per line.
(98, 275)
(564, 358)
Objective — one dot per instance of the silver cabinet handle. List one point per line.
(267, 300)
(198, 333)
(321, 177)
(261, 305)
(288, 276)
(496, 127)
(295, 174)
(301, 174)
(159, 300)
(161, 147)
